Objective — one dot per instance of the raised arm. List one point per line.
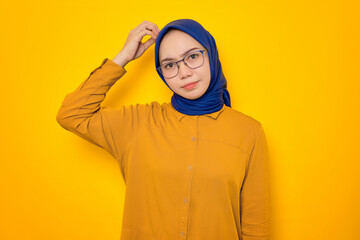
(255, 193)
(81, 111)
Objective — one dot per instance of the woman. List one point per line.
(193, 168)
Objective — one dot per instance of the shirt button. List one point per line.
(189, 167)
(185, 200)
(193, 138)
(182, 234)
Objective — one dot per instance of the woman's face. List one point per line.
(173, 45)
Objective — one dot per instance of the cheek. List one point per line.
(172, 85)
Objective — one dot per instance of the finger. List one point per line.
(155, 27)
(149, 42)
(152, 28)
(147, 32)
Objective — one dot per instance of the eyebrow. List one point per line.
(166, 59)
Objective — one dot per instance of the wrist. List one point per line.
(121, 60)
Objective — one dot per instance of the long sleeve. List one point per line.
(81, 112)
(255, 193)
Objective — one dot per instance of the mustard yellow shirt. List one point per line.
(201, 177)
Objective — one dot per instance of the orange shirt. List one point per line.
(187, 177)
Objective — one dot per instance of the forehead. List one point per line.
(175, 42)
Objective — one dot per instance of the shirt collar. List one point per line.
(213, 115)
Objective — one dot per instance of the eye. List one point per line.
(169, 65)
(194, 55)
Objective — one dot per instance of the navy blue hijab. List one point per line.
(216, 95)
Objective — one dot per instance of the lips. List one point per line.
(189, 84)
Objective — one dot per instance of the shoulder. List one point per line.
(153, 106)
(157, 113)
(242, 128)
(241, 119)
(157, 108)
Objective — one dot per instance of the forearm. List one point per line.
(120, 59)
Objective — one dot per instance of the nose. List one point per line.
(184, 70)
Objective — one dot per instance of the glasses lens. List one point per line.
(194, 60)
(169, 69)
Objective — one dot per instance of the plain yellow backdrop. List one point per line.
(292, 65)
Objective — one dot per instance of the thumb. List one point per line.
(148, 43)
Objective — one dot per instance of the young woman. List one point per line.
(194, 168)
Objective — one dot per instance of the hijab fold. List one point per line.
(217, 94)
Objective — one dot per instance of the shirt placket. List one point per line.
(188, 184)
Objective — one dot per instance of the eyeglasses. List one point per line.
(192, 60)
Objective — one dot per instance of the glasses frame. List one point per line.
(183, 59)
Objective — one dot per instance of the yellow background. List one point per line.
(292, 65)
